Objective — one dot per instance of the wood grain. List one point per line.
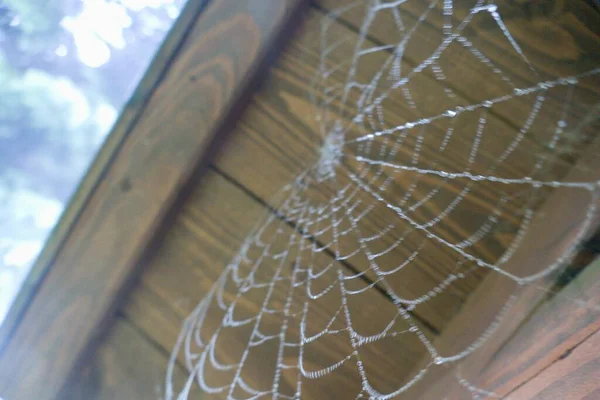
(220, 56)
(124, 366)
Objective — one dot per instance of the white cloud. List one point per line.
(98, 26)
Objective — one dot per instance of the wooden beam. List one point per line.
(203, 90)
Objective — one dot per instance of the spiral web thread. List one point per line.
(293, 268)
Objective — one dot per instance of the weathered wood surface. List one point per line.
(219, 58)
(210, 228)
(575, 377)
(125, 365)
(547, 239)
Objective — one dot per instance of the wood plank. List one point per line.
(127, 119)
(547, 240)
(575, 377)
(124, 366)
(204, 237)
(222, 54)
(280, 138)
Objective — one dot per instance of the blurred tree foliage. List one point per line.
(48, 124)
(55, 111)
(38, 20)
(45, 119)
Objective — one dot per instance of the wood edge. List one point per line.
(574, 377)
(568, 344)
(128, 117)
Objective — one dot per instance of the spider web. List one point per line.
(375, 217)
